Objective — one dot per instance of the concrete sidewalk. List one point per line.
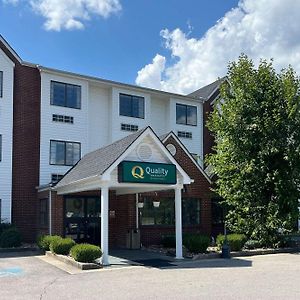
(258, 277)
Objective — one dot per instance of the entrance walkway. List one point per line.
(141, 258)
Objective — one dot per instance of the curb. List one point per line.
(264, 252)
(76, 264)
(247, 253)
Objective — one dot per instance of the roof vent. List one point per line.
(144, 152)
(171, 148)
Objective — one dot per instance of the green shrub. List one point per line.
(44, 241)
(5, 226)
(10, 238)
(85, 252)
(168, 241)
(196, 243)
(236, 241)
(289, 240)
(62, 246)
(252, 244)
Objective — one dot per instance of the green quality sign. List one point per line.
(142, 172)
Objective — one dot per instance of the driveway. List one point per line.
(259, 277)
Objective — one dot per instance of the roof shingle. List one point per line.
(97, 162)
(206, 91)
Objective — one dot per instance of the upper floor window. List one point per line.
(64, 153)
(186, 114)
(132, 106)
(65, 94)
(1, 84)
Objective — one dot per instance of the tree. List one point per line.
(256, 158)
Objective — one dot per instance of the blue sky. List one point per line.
(113, 48)
(171, 45)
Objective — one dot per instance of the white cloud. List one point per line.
(152, 72)
(70, 14)
(259, 28)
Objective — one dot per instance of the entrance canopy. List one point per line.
(137, 163)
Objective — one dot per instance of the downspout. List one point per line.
(50, 210)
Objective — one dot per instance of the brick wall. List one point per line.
(208, 139)
(26, 145)
(199, 189)
(119, 224)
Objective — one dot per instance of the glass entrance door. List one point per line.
(82, 219)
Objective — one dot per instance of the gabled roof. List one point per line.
(207, 91)
(10, 49)
(97, 162)
(165, 137)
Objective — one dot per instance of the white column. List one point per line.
(104, 224)
(178, 223)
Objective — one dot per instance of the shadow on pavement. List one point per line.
(162, 261)
(213, 263)
(20, 254)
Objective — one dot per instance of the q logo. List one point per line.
(137, 172)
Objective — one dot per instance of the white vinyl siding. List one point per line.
(6, 131)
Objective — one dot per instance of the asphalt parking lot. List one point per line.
(258, 277)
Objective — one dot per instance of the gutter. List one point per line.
(117, 84)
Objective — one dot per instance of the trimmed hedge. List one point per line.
(5, 226)
(86, 253)
(289, 240)
(252, 244)
(168, 241)
(196, 243)
(62, 246)
(44, 241)
(10, 238)
(236, 241)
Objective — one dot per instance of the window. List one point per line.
(64, 153)
(62, 119)
(162, 215)
(185, 134)
(56, 177)
(44, 212)
(1, 84)
(186, 114)
(165, 213)
(132, 106)
(191, 211)
(217, 211)
(0, 147)
(64, 94)
(129, 127)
